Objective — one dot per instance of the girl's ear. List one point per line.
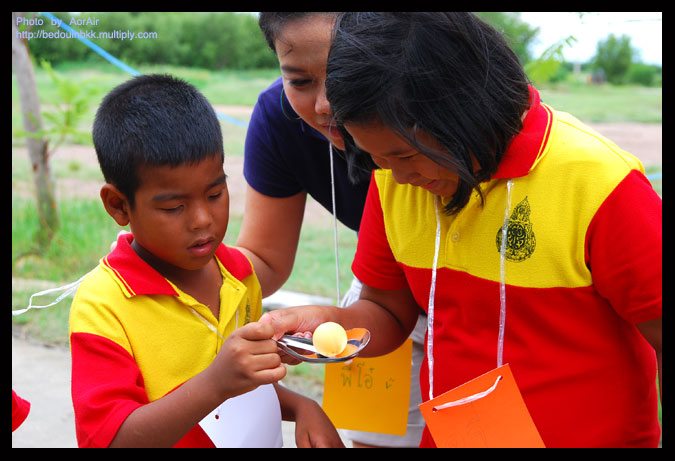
(115, 203)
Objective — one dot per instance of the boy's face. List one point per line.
(181, 214)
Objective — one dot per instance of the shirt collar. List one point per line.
(138, 278)
(528, 145)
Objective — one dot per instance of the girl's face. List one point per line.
(407, 164)
(302, 48)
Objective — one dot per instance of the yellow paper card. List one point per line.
(370, 395)
(487, 411)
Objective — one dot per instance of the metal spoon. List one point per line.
(303, 348)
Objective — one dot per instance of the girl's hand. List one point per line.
(301, 320)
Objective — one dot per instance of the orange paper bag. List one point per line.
(487, 411)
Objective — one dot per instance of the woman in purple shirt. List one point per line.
(287, 156)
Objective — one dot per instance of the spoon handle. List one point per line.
(300, 343)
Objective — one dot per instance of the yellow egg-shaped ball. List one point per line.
(330, 339)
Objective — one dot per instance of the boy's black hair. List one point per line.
(153, 120)
(448, 74)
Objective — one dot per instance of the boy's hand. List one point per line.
(247, 359)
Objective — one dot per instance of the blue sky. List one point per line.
(645, 30)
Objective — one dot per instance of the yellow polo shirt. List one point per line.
(135, 337)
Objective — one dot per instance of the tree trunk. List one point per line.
(37, 148)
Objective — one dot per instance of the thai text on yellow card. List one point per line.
(372, 394)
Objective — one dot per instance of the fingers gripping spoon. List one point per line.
(303, 348)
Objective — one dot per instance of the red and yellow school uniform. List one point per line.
(135, 337)
(583, 266)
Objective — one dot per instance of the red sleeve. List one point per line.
(20, 409)
(624, 252)
(106, 387)
(374, 263)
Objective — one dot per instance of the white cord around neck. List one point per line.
(502, 275)
(335, 235)
(430, 309)
(502, 289)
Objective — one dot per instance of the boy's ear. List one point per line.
(115, 203)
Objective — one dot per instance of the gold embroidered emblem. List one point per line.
(520, 239)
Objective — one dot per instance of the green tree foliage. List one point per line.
(214, 40)
(547, 67)
(65, 113)
(519, 34)
(614, 57)
(644, 74)
(550, 65)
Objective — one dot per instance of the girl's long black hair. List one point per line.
(448, 74)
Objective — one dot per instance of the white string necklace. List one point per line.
(502, 290)
(335, 235)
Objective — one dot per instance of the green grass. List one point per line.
(221, 88)
(657, 184)
(84, 236)
(225, 87)
(606, 103)
(48, 325)
(79, 243)
(314, 269)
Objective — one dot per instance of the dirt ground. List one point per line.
(42, 374)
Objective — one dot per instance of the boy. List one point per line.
(163, 349)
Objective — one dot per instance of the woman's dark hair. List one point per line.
(448, 74)
(270, 23)
(359, 167)
(153, 120)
